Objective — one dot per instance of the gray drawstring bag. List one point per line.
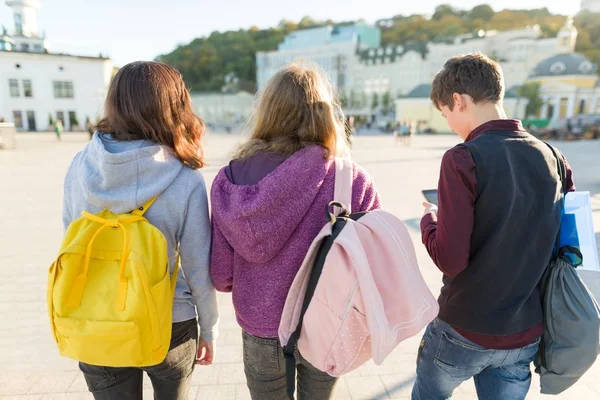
(571, 340)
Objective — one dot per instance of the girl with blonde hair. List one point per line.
(268, 206)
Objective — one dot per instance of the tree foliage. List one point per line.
(204, 62)
(531, 91)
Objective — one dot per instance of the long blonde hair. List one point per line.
(297, 108)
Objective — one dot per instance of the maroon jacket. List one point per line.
(448, 240)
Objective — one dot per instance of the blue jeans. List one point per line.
(446, 359)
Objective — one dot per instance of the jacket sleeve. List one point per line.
(67, 214)
(195, 243)
(447, 234)
(221, 264)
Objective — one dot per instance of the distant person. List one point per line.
(58, 129)
(410, 132)
(499, 213)
(396, 133)
(349, 128)
(149, 146)
(404, 132)
(90, 128)
(267, 208)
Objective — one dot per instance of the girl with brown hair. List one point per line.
(149, 144)
(267, 207)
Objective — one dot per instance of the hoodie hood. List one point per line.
(258, 220)
(123, 175)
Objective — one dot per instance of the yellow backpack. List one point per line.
(110, 295)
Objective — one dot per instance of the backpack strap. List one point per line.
(142, 210)
(343, 183)
(342, 195)
(562, 173)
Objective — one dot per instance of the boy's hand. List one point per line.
(429, 208)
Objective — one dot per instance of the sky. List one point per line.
(130, 30)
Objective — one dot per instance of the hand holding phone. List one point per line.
(431, 195)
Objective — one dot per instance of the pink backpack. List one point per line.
(358, 293)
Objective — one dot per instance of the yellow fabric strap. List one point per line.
(142, 210)
(81, 280)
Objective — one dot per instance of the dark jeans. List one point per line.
(264, 364)
(170, 379)
(446, 359)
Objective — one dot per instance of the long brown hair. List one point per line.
(149, 100)
(297, 108)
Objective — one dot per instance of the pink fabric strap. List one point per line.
(343, 182)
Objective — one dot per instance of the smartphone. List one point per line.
(431, 195)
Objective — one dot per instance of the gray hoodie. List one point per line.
(122, 176)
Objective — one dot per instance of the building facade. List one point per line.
(223, 110)
(333, 49)
(363, 70)
(569, 86)
(38, 87)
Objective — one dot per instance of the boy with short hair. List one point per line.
(493, 237)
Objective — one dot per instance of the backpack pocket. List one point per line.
(98, 342)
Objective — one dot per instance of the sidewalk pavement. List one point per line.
(30, 233)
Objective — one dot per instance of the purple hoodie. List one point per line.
(266, 211)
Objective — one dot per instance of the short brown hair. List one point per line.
(472, 74)
(297, 108)
(149, 100)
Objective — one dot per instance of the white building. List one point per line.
(334, 49)
(362, 69)
(38, 87)
(223, 110)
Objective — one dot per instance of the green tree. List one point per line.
(50, 119)
(531, 92)
(442, 10)
(483, 11)
(307, 22)
(375, 101)
(343, 100)
(386, 102)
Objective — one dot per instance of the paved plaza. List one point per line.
(31, 180)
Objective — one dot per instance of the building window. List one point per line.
(13, 84)
(558, 68)
(38, 47)
(18, 119)
(586, 67)
(25, 47)
(27, 89)
(19, 24)
(63, 90)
